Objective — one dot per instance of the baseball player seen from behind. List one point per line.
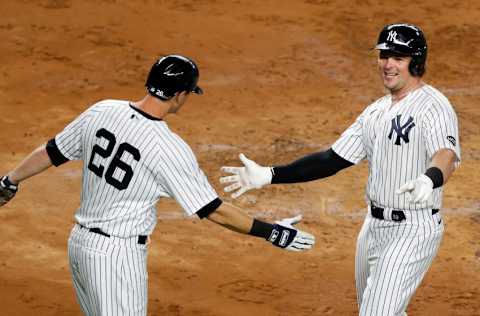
(131, 160)
(410, 139)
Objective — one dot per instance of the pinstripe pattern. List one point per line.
(167, 168)
(109, 274)
(130, 162)
(393, 257)
(391, 165)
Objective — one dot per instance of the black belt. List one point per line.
(397, 215)
(142, 239)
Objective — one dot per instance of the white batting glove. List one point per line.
(285, 236)
(419, 190)
(251, 176)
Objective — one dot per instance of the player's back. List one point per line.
(121, 180)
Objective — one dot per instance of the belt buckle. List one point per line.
(398, 216)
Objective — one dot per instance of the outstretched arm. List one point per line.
(281, 234)
(311, 167)
(35, 163)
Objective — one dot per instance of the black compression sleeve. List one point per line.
(311, 167)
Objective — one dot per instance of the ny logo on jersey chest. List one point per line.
(400, 130)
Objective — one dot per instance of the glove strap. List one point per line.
(282, 236)
(5, 182)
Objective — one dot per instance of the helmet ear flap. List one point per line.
(417, 66)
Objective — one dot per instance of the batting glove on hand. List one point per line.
(7, 190)
(251, 176)
(419, 190)
(285, 236)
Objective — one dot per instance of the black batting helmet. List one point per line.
(172, 74)
(405, 39)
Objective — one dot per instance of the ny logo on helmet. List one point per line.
(402, 131)
(392, 36)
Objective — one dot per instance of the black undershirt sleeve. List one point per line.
(209, 208)
(311, 167)
(56, 157)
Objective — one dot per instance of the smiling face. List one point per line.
(393, 70)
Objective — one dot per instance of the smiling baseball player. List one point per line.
(410, 139)
(131, 160)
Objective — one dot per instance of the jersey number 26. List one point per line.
(116, 162)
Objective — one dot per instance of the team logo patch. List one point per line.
(400, 130)
(452, 140)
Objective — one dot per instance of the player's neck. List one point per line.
(152, 106)
(402, 93)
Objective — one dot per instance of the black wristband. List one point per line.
(436, 175)
(209, 208)
(261, 229)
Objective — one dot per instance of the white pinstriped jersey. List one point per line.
(399, 141)
(130, 161)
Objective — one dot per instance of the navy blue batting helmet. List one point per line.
(172, 74)
(406, 39)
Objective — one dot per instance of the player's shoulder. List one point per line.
(434, 96)
(375, 105)
(166, 137)
(109, 103)
(170, 145)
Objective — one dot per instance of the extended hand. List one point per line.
(285, 236)
(7, 190)
(419, 189)
(251, 176)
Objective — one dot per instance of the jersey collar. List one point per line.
(148, 116)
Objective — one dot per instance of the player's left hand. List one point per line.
(7, 190)
(285, 236)
(419, 190)
(250, 176)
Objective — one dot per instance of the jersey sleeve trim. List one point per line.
(56, 156)
(209, 208)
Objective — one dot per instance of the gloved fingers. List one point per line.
(422, 196)
(409, 186)
(233, 170)
(229, 179)
(305, 237)
(239, 192)
(247, 162)
(291, 220)
(299, 245)
(232, 187)
(292, 248)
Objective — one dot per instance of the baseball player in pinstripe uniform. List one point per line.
(410, 139)
(131, 160)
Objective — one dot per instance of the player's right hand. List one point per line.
(250, 176)
(7, 190)
(285, 236)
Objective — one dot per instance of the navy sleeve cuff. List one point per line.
(209, 208)
(54, 153)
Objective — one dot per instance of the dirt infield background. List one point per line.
(282, 79)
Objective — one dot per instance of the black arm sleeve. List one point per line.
(56, 157)
(311, 167)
